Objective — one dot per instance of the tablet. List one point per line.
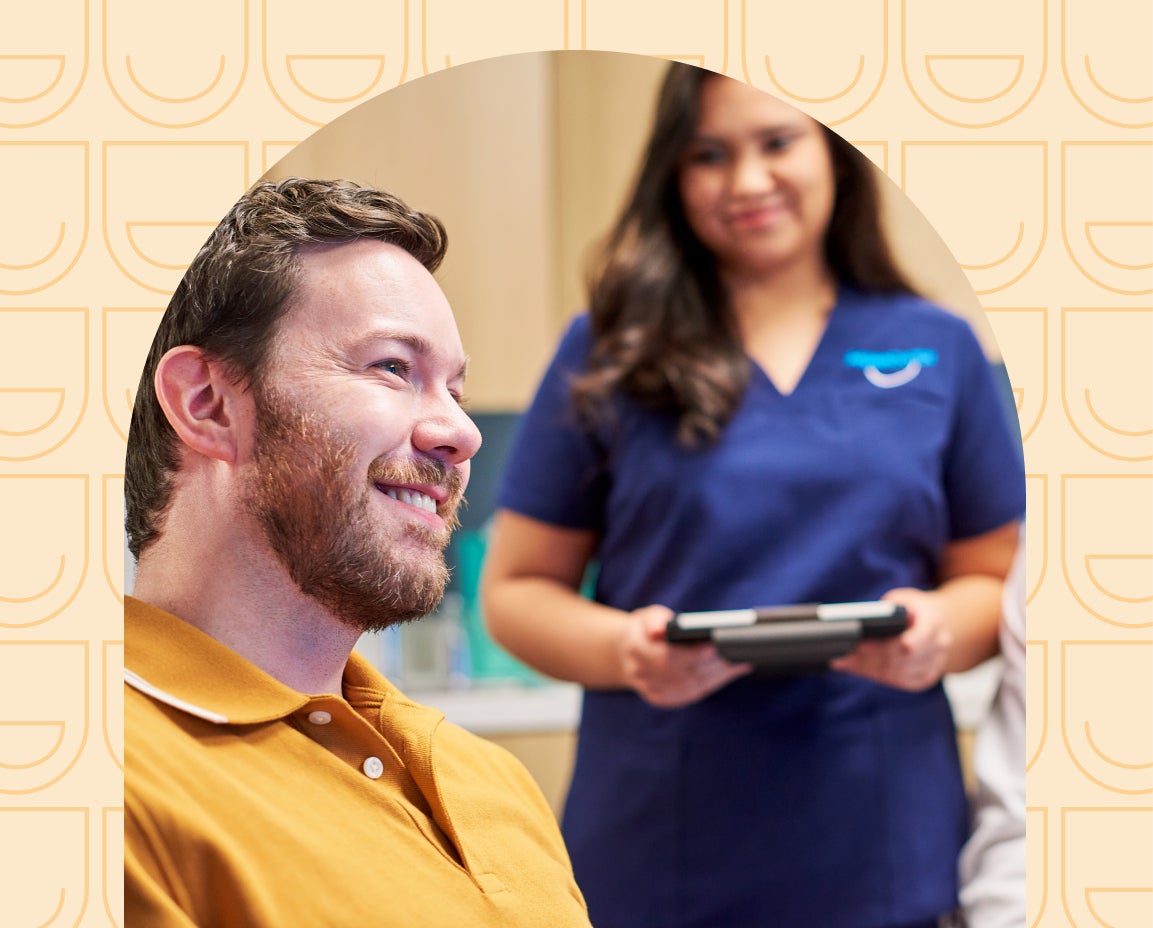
(789, 639)
(876, 619)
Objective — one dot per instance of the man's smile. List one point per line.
(413, 497)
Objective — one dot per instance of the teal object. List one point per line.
(487, 661)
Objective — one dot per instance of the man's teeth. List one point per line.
(414, 498)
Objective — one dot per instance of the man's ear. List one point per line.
(201, 402)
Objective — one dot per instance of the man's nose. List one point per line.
(448, 433)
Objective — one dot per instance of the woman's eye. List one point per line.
(777, 143)
(705, 156)
(393, 366)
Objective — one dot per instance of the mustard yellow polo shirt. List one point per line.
(250, 804)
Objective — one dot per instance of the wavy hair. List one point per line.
(661, 319)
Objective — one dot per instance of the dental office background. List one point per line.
(527, 158)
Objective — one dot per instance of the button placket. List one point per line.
(342, 730)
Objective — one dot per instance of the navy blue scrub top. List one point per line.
(820, 800)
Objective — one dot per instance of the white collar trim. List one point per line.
(137, 682)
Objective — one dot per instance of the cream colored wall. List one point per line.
(603, 108)
(474, 146)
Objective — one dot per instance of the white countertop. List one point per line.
(507, 709)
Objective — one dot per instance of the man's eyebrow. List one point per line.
(417, 343)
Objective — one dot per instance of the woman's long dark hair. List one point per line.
(661, 320)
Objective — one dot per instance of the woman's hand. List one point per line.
(668, 675)
(914, 660)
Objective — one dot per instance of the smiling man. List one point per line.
(297, 455)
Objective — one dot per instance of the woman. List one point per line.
(757, 410)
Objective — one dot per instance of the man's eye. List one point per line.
(393, 366)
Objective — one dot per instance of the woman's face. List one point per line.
(756, 182)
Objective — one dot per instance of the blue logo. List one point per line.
(888, 369)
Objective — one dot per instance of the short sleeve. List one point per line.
(556, 467)
(984, 467)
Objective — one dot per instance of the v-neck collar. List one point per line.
(819, 351)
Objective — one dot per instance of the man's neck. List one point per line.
(254, 609)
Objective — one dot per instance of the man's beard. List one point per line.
(314, 509)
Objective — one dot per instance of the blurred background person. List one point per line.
(993, 860)
(757, 410)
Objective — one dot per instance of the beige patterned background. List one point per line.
(1023, 130)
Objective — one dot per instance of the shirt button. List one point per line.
(320, 717)
(373, 768)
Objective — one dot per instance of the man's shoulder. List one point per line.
(477, 764)
(455, 748)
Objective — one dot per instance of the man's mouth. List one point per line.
(412, 497)
(426, 485)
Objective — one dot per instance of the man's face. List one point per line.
(360, 450)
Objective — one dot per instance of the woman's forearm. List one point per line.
(971, 610)
(555, 630)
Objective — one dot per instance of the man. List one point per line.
(297, 456)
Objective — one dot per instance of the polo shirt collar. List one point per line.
(177, 664)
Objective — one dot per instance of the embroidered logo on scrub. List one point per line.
(888, 369)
